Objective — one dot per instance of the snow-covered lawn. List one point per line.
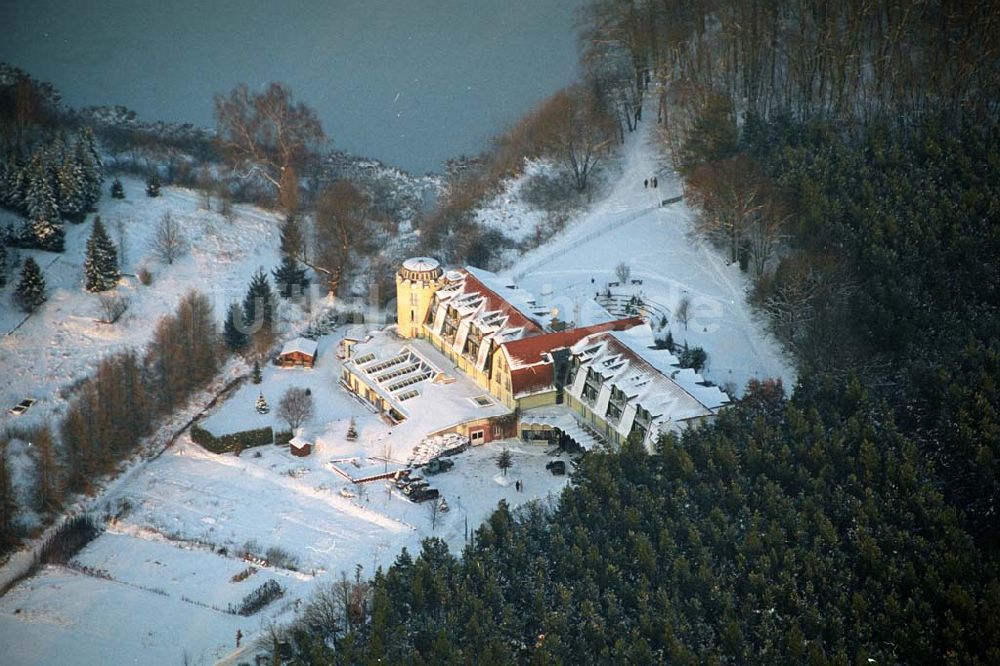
(657, 244)
(188, 499)
(191, 513)
(61, 342)
(61, 616)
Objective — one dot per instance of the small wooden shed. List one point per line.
(300, 352)
(298, 446)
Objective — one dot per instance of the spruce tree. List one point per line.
(88, 162)
(30, 290)
(153, 185)
(292, 242)
(258, 305)
(117, 190)
(232, 331)
(45, 231)
(255, 376)
(101, 265)
(3, 263)
(289, 279)
(262, 406)
(72, 200)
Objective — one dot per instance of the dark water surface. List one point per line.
(411, 82)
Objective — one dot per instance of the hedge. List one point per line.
(283, 436)
(233, 441)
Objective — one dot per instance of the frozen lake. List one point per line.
(411, 82)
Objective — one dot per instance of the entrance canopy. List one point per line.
(561, 418)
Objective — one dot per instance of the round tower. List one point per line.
(416, 281)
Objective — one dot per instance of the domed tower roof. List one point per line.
(421, 268)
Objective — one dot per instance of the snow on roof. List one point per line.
(298, 442)
(640, 341)
(502, 295)
(421, 264)
(530, 367)
(647, 378)
(436, 406)
(300, 345)
(562, 417)
(527, 351)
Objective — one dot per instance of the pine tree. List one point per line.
(117, 190)
(153, 185)
(255, 377)
(289, 278)
(232, 331)
(352, 431)
(292, 242)
(14, 186)
(3, 263)
(73, 199)
(45, 231)
(30, 290)
(88, 161)
(258, 305)
(101, 265)
(505, 460)
(262, 406)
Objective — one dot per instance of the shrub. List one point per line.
(279, 557)
(235, 441)
(69, 539)
(145, 277)
(257, 599)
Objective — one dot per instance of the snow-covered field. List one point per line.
(656, 242)
(170, 558)
(61, 342)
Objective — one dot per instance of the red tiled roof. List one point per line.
(530, 378)
(494, 302)
(529, 369)
(526, 351)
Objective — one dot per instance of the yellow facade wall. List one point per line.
(413, 300)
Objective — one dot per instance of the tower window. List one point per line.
(413, 315)
(413, 298)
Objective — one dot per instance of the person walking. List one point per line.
(655, 181)
(645, 183)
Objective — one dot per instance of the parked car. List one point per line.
(557, 467)
(414, 487)
(438, 465)
(21, 407)
(424, 494)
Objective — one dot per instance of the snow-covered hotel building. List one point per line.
(600, 382)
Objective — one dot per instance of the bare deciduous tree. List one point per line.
(295, 407)
(623, 272)
(434, 511)
(268, 136)
(731, 194)
(168, 243)
(121, 236)
(576, 131)
(683, 312)
(48, 489)
(341, 212)
(113, 306)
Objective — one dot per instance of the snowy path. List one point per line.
(630, 225)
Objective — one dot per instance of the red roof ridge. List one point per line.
(497, 302)
(530, 349)
(532, 371)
